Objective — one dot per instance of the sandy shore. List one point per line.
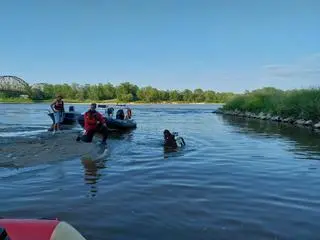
(46, 148)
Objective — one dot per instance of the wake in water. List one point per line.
(98, 152)
(15, 130)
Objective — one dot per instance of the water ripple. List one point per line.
(235, 179)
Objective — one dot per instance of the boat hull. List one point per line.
(114, 124)
(69, 118)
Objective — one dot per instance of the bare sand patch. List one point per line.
(46, 148)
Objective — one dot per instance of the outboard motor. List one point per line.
(120, 114)
(71, 108)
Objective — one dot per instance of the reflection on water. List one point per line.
(92, 173)
(169, 152)
(305, 142)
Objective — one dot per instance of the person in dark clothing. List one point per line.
(94, 123)
(170, 140)
(120, 114)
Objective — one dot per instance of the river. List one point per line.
(235, 179)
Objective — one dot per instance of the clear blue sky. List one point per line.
(227, 45)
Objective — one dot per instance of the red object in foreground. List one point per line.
(34, 229)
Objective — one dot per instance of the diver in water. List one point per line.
(172, 140)
(93, 123)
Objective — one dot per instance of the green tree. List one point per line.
(210, 96)
(109, 91)
(149, 94)
(126, 92)
(175, 96)
(187, 95)
(198, 95)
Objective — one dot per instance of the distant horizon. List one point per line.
(176, 44)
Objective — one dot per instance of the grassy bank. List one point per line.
(298, 104)
(17, 100)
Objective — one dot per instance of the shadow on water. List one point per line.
(303, 139)
(92, 173)
(169, 152)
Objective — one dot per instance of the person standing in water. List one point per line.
(57, 107)
(94, 123)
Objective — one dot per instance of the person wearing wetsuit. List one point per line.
(94, 123)
(171, 141)
(57, 107)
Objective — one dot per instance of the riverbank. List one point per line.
(88, 101)
(297, 107)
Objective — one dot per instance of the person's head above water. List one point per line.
(167, 134)
(170, 140)
(93, 106)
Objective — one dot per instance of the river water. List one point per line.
(235, 179)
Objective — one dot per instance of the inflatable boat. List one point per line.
(122, 121)
(114, 124)
(37, 229)
(69, 118)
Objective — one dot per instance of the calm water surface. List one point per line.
(236, 179)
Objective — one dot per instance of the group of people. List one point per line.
(95, 123)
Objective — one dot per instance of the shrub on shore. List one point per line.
(299, 104)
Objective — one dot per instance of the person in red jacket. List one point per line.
(94, 123)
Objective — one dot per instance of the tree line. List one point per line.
(124, 92)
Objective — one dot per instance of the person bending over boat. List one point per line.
(172, 141)
(94, 123)
(57, 107)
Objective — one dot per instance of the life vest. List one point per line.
(58, 105)
(91, 118)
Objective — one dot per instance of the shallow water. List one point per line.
(235, 179)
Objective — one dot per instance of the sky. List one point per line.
(227, 45)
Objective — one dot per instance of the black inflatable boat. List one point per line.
(114, 124)
(121, 122)
(69, 118)
(118, 123)
(72, 118)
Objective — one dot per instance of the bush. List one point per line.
(304, 103)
